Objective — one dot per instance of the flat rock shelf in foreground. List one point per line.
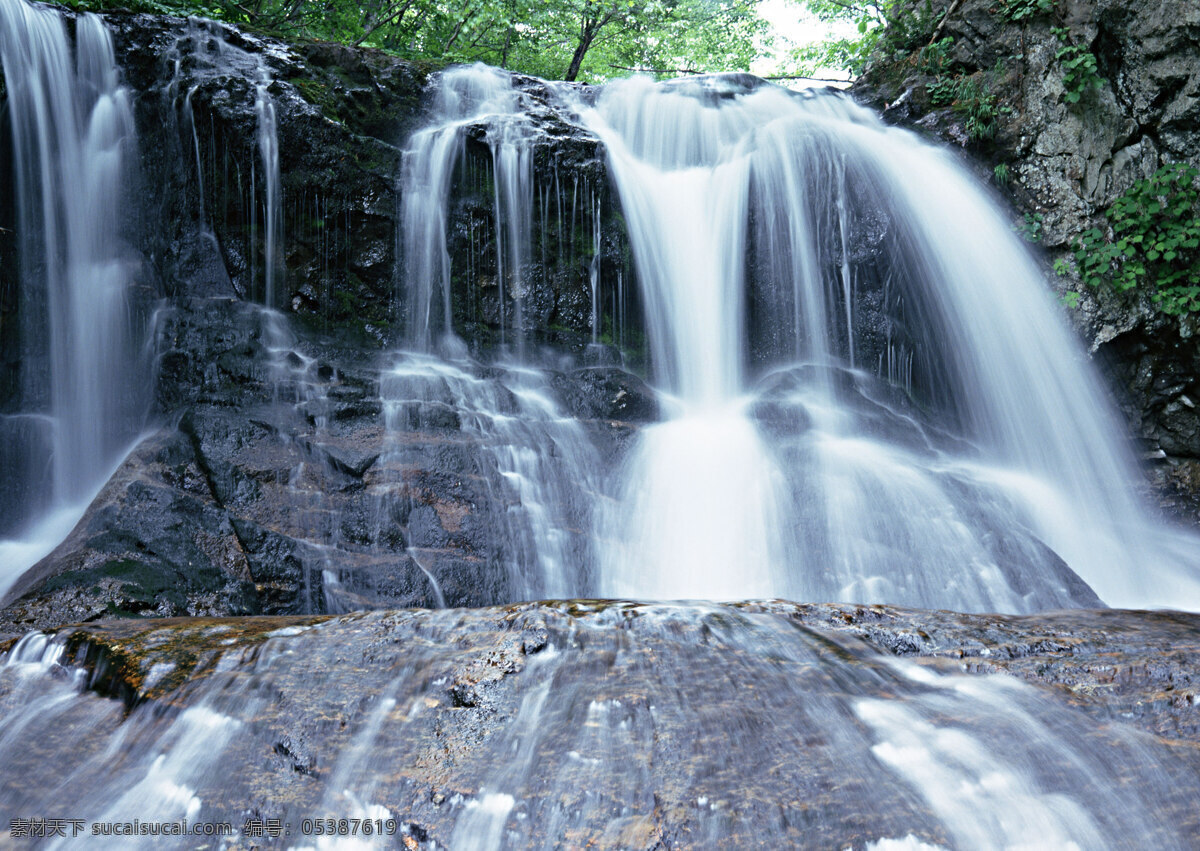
(621, 725)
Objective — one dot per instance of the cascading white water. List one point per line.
(268, 149)
(544, 464)
(482, 97)
(721, 175)
(779, 242)
(84, 378)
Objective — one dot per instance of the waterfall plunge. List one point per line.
(81, 400)
(872, 397)
(707, 168)
(477, 95)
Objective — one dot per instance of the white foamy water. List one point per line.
(722, 175)
(84, 389)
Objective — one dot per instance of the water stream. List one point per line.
(83, 387)
(695, 726)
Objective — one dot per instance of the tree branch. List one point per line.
(938, 29)
(393, 15)
(458, 27)
(805, 77)
(655, 70)
(851, 6)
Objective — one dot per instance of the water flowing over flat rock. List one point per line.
(621, 725)
(707, 338)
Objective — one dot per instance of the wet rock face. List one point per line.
(343, 116)
(279, 484)
(273, 478)
(614, 725)
(1109, 663)
(1069, 161)
(576, 229)
(608, 393)
(153, 544)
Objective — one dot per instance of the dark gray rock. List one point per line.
(343, 116)
(155, 542)
(607, 393)
(276, 468)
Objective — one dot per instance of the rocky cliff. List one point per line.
(1062, 145)
(268, 477)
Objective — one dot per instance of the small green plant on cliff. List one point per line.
(1002, 174)
(1080, 71)
(1019, 10)
(1030, 227)
(971, 99)
(934, 58)
(1155, 241)
(943, 91)
(1069, 299)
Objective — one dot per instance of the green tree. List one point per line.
(670, 35)
(565, 39)
(595, 39)
(893, 24)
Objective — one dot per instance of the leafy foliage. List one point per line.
(179, 8)
(887, 25)
(1080, 72)
(1155, 241)
(943, 91)
(567, 39)
(1031, 227)
(972, 99)
(934, 58)
(1019, 10)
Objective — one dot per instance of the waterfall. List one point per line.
(268, 149)
(481, 97)
(867, 396)
(762, 222)
(83, 382)
(869, 393)
(544, 465)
